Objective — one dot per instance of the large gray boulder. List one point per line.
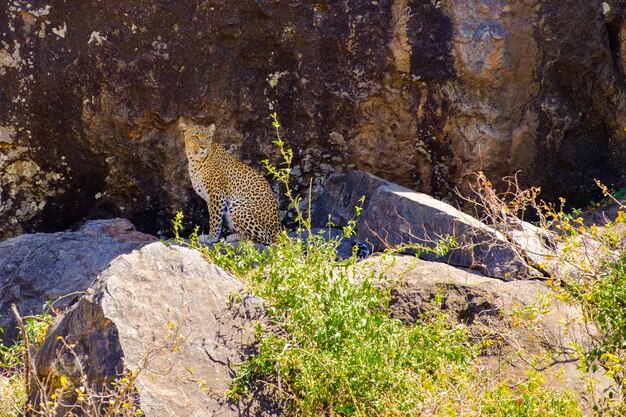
(42, 267)
(165, 312)
(393, 215)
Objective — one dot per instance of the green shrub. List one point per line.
(13, 394)
(607, 304)
(604, 302)
(529, 398)
(334, 349)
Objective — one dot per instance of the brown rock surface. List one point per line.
(615, 15)
(418, 92)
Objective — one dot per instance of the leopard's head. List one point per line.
(197, 139)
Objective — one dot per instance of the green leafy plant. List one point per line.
(19, 380)
(332, 347)
(604, 303)
(528, 398)
(14, 362)
(281, 174)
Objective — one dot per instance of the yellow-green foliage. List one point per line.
(13, 394)
(117, 398)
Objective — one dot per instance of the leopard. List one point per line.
(234, 192)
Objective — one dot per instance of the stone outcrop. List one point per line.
(527, 324)
(164, 312)
(615, 15)
(393, 215)
(345, 245)
(38, 268)
(417, 92)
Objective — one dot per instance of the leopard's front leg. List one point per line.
(216, 205)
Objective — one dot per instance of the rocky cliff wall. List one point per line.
(418, 92)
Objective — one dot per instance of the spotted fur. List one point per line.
(233, 191)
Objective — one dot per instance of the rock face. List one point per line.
(165, 312)
(345, 246)
(525, 321)
(415, 91)
(42, 267)
(393, 215)
(615, 15)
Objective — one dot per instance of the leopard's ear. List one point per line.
(212, 129)
(183, 127)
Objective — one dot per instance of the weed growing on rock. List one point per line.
(585, 264)
(528, 398)
(603, 302)
(66, 396)
(16, 362)
(333, 349)
(60, 394)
